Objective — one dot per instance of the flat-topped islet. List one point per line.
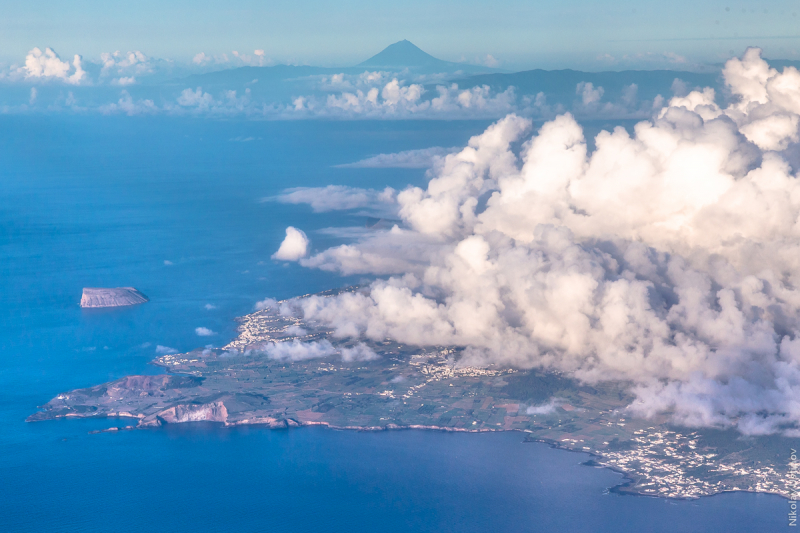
(115, 297)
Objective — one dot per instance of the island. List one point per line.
(116, 297)
(382, 385)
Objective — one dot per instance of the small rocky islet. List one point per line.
(95, 297)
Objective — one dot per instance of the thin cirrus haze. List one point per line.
(668, 257)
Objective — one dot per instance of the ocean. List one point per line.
(175, 207)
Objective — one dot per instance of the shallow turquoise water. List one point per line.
(106, 202)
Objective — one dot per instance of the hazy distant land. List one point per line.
(426, 388)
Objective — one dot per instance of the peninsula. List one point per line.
(380, 385)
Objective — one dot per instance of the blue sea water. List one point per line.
(172, 207)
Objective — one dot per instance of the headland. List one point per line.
(409, 387)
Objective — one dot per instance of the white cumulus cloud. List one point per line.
(293, 247)
(130, 63)
(668, 257)
(257, 59)
(163, 350)
(126, 104)
(359, 352)
(47, 64)
(196, 98)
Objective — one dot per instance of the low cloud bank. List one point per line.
(299, 351)
(423, 158)
(669, 257)
(296, 350)
(546, 408)
(134, 83)
(337, 198)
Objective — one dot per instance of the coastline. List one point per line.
(232, 386)
(623, 489)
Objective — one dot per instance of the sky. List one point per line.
(519, 34)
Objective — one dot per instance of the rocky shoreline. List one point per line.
(396, 386)
(626, 488)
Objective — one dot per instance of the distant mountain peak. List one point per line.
(403, 54)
